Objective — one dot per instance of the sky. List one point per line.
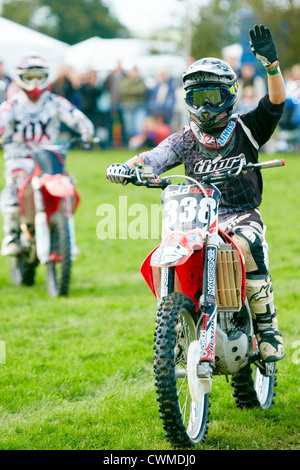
(146, 16)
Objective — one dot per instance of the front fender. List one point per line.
(170, 254)
(58, 185)
(188, 275)
(176, 248)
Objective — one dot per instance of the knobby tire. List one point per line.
(59, 272)
(175, 314)
(251, 393)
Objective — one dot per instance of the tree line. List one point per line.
(217, 24)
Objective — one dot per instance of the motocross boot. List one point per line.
(259, 292)
(10, 243)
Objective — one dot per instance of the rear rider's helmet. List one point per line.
(32, 76)
(210, 87)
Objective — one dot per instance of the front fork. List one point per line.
(42, 231)
(201, 352)
(167, 281)
(207, 324)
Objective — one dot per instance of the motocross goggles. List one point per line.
(215, 96)
(34, 77)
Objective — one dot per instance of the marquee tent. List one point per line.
(102, 55)
(16, 41)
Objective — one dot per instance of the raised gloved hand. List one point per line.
(116, 172)
(263, 45)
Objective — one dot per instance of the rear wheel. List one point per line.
(59, 267)
(256, 391)
(184, 420)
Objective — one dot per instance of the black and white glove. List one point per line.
(117, 172)
(263, 45)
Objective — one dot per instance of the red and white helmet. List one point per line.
(32, 76)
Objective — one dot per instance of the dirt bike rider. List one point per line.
(32, 115)
(212, 140)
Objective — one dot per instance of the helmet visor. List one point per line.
(196, 97)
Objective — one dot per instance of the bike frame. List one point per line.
(195, 268)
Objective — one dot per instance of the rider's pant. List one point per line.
(17, 170)
(248, 232)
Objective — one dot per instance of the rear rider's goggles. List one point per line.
(33, 76)
(215, 96)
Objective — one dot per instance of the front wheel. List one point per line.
(184, 420)
(59, 267)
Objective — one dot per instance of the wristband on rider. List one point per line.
(274, 70)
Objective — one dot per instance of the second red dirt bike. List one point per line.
(48, 200)
(204, 325)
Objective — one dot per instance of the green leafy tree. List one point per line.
(18, 11)
(221, 23)
(283, 18)
(217, 26)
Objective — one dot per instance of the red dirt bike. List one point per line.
(47, 199)
(204, 325)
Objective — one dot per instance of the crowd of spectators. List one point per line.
(289, 125)
(252, 87)
(128, 113)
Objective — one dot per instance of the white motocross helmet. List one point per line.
(32, 76)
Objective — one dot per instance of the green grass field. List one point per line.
(78, 372)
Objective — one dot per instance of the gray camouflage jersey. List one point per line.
(202, 154)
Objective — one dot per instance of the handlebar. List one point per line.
(84, 144)
(58, 146)
(221, 177)
(269, 164)
(143, 175)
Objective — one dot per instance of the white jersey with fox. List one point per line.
(38, 122)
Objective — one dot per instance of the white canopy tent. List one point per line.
(233, 55)
(102, 56)
(17, 41)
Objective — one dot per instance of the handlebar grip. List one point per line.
(272, 163)
(149, 183)
(157, 183)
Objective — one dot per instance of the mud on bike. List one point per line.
(204, 325)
